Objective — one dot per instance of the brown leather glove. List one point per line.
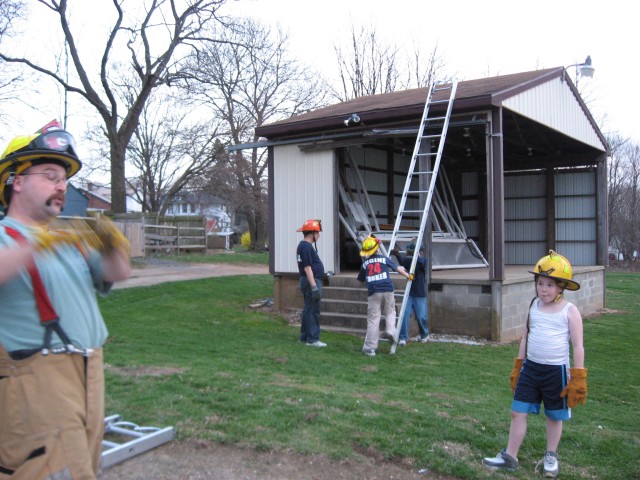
(576, 389)
(515, 373)
(111, 238)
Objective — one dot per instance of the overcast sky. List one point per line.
(475, 39)
(479, 38)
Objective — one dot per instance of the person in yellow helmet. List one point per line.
(51, 329)
(375, 272)
(542, 373)
(311, 271)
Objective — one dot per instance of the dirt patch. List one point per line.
(154, 273)
(199, 460)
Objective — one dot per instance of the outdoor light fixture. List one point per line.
(584, 69)
(353, 119)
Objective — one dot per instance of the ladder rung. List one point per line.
(431, 136)
(430, 154)
(412, 211)
(431, 119)
(435, 102)
(407, 234)
(422, 173)
(417, 191)
(448, 87)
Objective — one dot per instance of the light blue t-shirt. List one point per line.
(70, 281)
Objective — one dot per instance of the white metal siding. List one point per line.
(303, 189)
(553, 104)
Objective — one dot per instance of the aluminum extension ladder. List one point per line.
(426, 178)
(141, 440)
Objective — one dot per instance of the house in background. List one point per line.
(76, 203)
(99, 197)
(527, 167)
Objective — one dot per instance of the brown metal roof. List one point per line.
(406, 105)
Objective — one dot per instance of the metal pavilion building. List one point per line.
(526, 172)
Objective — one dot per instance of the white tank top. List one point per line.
(548, 341)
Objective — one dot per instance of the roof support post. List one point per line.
(495, 197)
(602, 219)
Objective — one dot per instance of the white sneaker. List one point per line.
(369, 352)
(402, 343)
(502, 461)
(551, 466)
(317, 343)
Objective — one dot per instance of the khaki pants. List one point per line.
(51, 416)
(377, 304)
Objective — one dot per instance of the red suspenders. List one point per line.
(48, 317)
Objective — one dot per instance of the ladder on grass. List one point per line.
(423, 171)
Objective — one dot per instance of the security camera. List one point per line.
(353, 119)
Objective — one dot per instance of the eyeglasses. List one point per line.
(51, 176)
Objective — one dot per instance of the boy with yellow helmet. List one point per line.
(375, 271)
(542, 372)
(50, 323)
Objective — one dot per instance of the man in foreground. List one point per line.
(51, 329)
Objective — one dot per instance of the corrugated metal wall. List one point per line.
(575, 211)
(526, 217)
(304, 188)
(374, 167)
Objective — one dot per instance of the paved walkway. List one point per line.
(153, 274)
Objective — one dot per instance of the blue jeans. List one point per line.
(310, 318)
(419, 307)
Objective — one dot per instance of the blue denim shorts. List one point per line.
(538, 384)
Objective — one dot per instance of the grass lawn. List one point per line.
(193, 355)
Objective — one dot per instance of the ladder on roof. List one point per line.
(422, 176)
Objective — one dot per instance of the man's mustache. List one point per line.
(56, 196)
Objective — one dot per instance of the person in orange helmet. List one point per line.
(541, 373)
(311, 272)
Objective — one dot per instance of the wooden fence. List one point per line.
(150, 234)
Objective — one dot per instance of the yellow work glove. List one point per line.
(576, 389)
(410, 277)
(100, 234)
(49, 240)
(515, 373)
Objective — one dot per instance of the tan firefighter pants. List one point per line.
(51, 416)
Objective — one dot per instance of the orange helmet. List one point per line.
(557, 267)
(369, 246)
(50, 144)
(311, 226)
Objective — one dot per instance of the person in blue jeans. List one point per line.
(311, 272)
(417, 301)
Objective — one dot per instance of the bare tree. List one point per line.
(624, 196)
(10, 10)
(154, 45)
(369, 66)
(246, 81)
(366, 66)
(168, 153)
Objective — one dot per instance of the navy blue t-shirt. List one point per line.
(307, 256)
(419, 284)
(375, 271)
